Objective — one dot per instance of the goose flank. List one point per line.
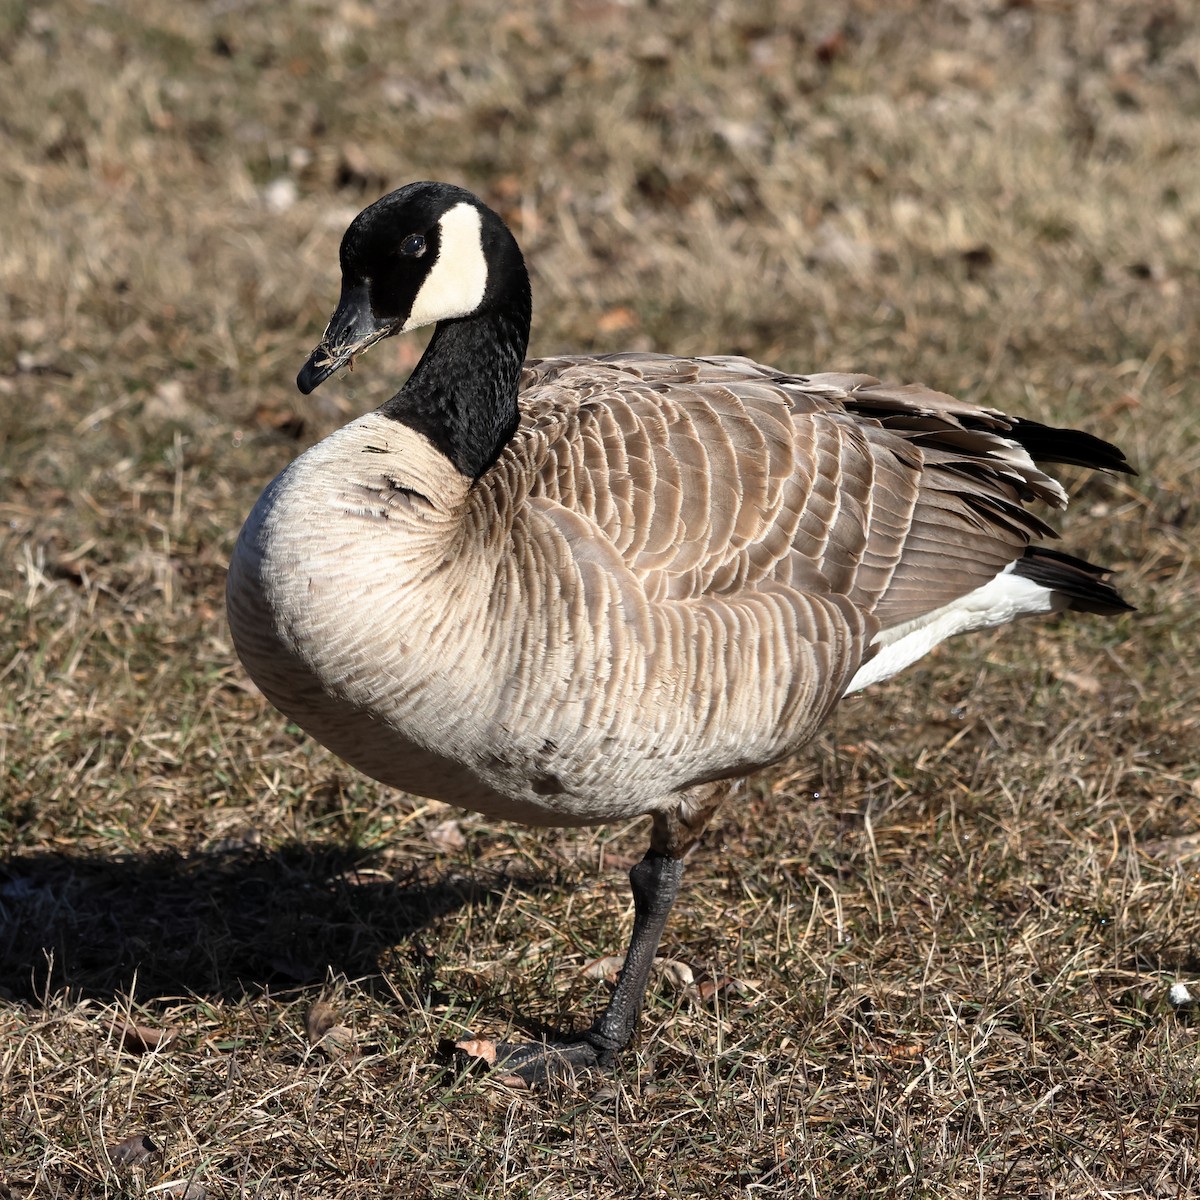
(579, 589)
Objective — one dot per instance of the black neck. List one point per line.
(463, 393)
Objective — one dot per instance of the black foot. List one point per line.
(535, 1062)
(655, 882)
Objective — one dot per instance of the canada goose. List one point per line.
(575, 590)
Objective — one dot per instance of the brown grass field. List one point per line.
(930, 957)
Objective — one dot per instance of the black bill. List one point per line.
(352, 329)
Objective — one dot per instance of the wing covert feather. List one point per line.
(717, 543)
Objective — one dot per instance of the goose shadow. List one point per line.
(220, 924)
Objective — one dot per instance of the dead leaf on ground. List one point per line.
(133, 1151)
(138, 1039)
(338, 1042)
(448, 836)
(482, 1048)
(708, 988)
(321, 1018)
(1083, 681)
(516, 1082)
(909, 1050)
(678, 974)
(185, 1191)
(604, 968)
(326, 1032)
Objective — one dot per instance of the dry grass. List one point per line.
(932, 956)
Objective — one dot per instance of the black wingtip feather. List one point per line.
(1084, 585)
(1046, 443)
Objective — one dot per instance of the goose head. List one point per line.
(424, 254)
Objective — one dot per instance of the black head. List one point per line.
(428, 252)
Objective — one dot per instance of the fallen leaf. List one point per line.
(482, 1048)
(912, 1050)
(710, 987)
(137, 1039)
(678, 974)
(1082, 681)
(448, 836)
(327, 1033)
(320, 1020)
(339, 1042)
(604, 968)
(517, 1082)
(133, 1151)
(184, 1191)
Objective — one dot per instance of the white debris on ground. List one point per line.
(1181, 996)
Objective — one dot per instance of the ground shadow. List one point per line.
(221, 924)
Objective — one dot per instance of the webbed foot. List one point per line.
(535, 1062)
(655, 883)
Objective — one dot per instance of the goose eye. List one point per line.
(413, 246)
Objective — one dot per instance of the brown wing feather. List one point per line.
(718, 543)
(713, 475)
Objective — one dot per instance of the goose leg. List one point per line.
(655, 883)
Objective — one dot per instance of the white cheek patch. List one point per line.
(458, 280)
